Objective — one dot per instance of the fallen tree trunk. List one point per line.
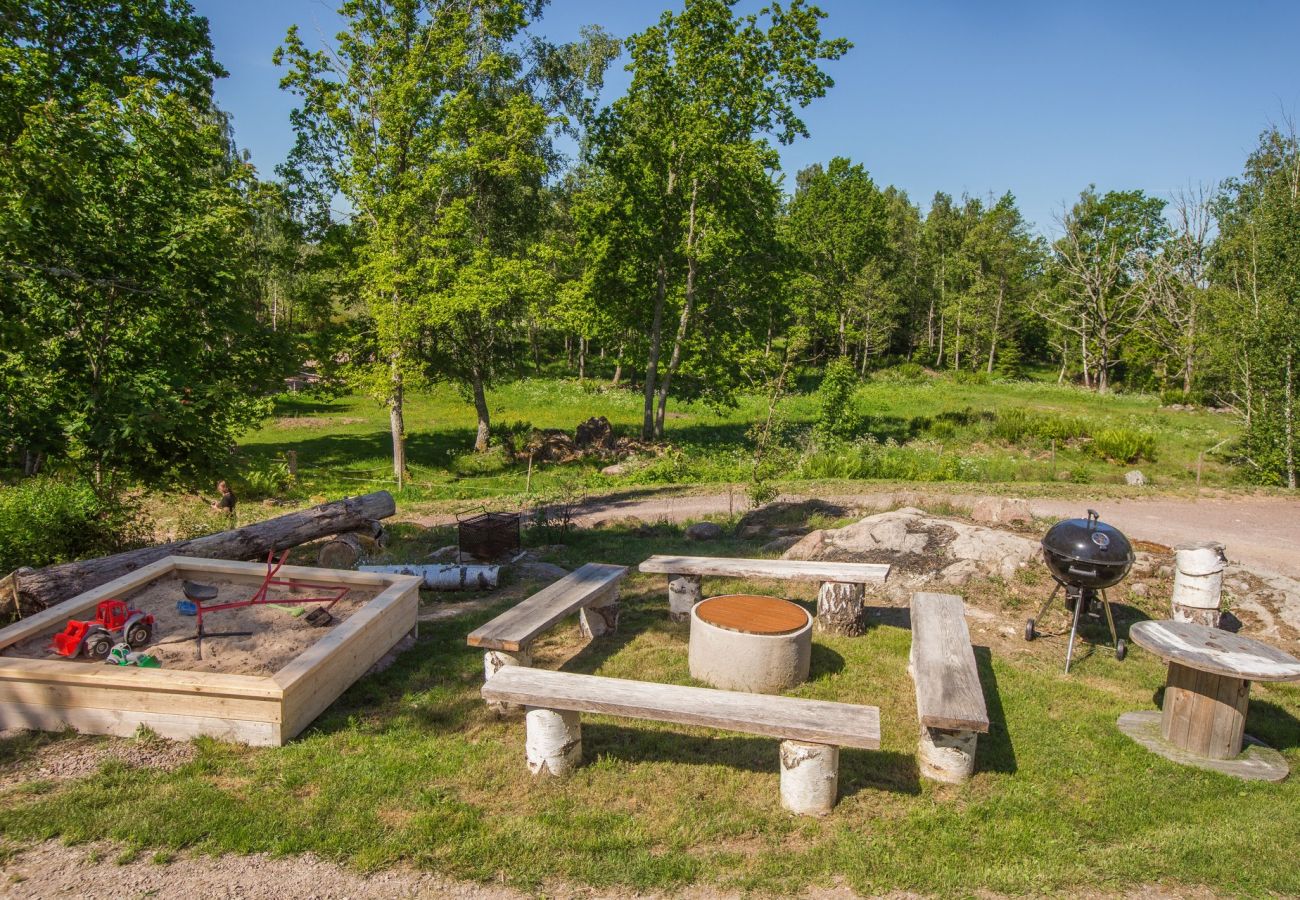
(32, 589)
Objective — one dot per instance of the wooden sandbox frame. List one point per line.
(260, 710)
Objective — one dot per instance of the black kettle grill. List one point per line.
(1085, 556)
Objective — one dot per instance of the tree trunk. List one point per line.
(484, 433)
(652, 360)
(938, 359)
(618, 367)
(683, 323)
(997, 323)
(397, 424)
(44, 587)
(1288, 412)
(582, 359)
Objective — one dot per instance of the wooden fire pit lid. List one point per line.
(752, 614)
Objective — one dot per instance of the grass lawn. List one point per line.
(410, 767)
(933, 429)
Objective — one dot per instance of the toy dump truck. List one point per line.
(114, 621)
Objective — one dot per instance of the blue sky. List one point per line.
(1039, 98)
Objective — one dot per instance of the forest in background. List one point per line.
(157, 290)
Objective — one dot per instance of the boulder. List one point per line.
(595, 434)
(781, 544)
(1135, 478)
(704, 531)
(750, 532)
(1001, 511)
(615, 470)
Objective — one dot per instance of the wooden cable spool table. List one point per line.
(746, 642)
(1207, 691)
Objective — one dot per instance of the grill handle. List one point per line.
(1086, 573)
(1093, 518)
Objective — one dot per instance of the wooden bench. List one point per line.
(592, 590)
(840, 599)
(810, 731)
(949, 699)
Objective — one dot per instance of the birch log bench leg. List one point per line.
(840, 599)
(949, 699)
(592, 590)
(810, 731)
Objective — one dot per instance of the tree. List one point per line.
(686, 160)
(1100, 270)
(1257, 273)
(836, 226)
(1002, 260)
(1180, 282)
(428, 120)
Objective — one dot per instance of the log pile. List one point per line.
(35, 589)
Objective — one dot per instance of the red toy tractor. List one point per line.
(114, 621)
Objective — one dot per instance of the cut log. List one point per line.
(343, 552)
(40, 588)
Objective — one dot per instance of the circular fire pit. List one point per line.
(744, 642)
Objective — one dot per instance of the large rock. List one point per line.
(704, 531)
(1135, 478)
(920, 548)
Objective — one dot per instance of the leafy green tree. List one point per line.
(690, 205)
(1002, 260)
(1257, 302)
(1100, 270)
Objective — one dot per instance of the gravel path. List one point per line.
(1262, 533)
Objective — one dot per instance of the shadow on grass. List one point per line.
(994, 752)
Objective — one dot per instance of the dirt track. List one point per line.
(1262, 533)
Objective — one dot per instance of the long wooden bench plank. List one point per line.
(948, 692)
(782, 569)
(788, 718)
(516, 627)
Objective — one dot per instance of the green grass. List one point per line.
(933, 429)
(410, 768)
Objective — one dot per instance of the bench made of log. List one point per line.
(949, 698)
(811, 731)
(840, 607)
(592, 590)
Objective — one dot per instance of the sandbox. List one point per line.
(259, 690)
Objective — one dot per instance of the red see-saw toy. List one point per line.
(114, 621)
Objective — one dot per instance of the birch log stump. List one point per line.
(496, 660)
(809, 777)
(554, 741)
(600, 617)
(841, 609)
(1198, 583)
(41, 588)
(684, 591)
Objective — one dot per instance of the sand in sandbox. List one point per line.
(277, 635)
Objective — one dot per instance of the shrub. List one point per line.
(1126, 445)
(903, 373)
(1015, 425)
(45, 521)
(836, 416)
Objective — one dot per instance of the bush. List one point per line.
(45, 521)
(1125, 445)
(903, 373)
(836, 416)
(1015, 425)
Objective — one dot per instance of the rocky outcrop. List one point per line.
(921, 548)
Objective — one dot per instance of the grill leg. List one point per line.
(1110, 619)
(1048, 602)
(1079, 604)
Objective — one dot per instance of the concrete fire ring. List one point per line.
(745, 642)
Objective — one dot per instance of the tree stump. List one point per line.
(496, 660)
(840, 608)
(947, 756)
(554, 741)
(1198, 582)
(809, 777)
(343, 551)
(600, 618)
(684, 591)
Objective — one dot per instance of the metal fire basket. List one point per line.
(488, 535)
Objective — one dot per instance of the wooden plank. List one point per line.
(316, 678)
(948, 692)
(515, 628)
(787, 718)
(256, 572)
(124, 723)
(57, 616)
(753, 614)
(129, 677)
(779, 569)
(53, 693)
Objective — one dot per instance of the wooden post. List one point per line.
(291, 457)
(947, 756)
(554, 741)
(840, 608)
(809, 777)
(684, 591)
(600, 617)
(1204, 713)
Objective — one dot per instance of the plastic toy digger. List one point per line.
(114, 622)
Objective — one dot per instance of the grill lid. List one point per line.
(1089, 541)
